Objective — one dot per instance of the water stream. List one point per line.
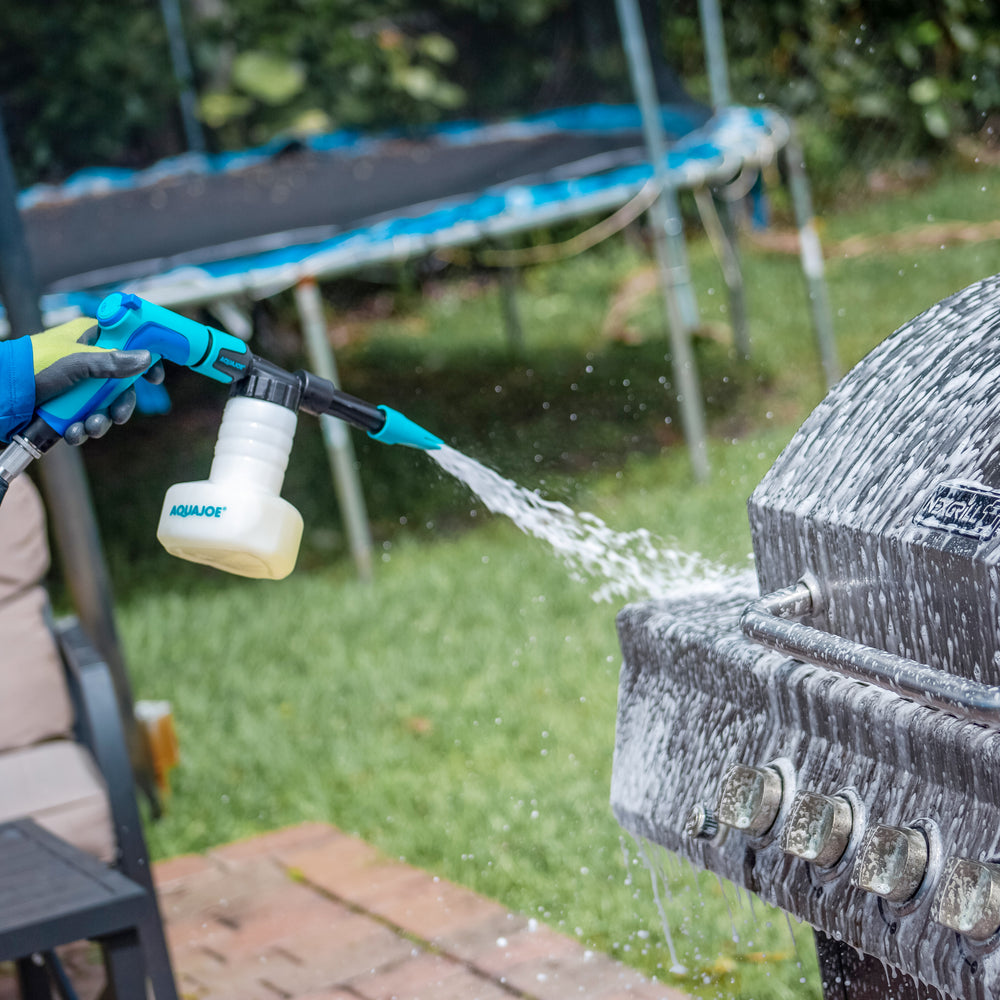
(626, 565)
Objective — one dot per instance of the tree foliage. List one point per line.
(868, 78)
(85, 82)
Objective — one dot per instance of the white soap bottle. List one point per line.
(236, 519)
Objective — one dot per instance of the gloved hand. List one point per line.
(67, 354)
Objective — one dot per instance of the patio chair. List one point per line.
(63, 761)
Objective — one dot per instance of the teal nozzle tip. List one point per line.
(398, 429)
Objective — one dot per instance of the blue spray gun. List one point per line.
(236, 519)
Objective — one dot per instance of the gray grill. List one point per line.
(835, 745)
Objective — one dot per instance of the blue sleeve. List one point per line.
(17, 386)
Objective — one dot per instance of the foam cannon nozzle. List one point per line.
(236, 519)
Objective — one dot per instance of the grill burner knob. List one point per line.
(969, 898)
(750, 798)
(891, 863)
(818, 828)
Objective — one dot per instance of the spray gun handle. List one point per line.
(128, 322)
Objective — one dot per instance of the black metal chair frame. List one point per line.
(98, 727)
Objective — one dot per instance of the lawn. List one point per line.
(459, 711)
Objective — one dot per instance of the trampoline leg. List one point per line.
(811, 255)
(668, 239)
(722, 235)
(336, 437)
(715, 52)
(508, 306)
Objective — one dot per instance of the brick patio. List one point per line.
(313, 914)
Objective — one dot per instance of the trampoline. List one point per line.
(196, 229)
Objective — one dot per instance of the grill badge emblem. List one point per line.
(962, 509)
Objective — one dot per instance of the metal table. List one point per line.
(52, 894)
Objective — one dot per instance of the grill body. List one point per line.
(890, 494)
(888, 498)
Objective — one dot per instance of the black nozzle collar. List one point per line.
(308, 392)
(320, 396)
(269, 382)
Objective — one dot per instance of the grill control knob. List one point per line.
(891, 862)
(969, 898)
(750, 798)
(818, 828)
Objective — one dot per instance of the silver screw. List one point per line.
(701, 822)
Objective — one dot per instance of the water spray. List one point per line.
(236, 520)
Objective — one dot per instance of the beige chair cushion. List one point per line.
(34, 701)
(58, 785)
(24, 548)
(54, 782)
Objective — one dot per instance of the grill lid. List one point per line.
(889, 494)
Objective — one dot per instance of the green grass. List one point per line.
(459, 712)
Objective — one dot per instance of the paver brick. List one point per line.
(334, 994)
(320, 964)
(326, 865)
(480, 936)
(186, 895)
(469, 986)
(192, 989)
(203, 965)
(409, 978)
(277, 843)
(280, 917)
(195, 934)
(247, 913)
(535, 943)
(376, 883)
(319, 943)
(179, 869)
(429, 977)
(433, 907)
(217, 891)
(234, 981)
(595, 977)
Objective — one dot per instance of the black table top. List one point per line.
(51, 893)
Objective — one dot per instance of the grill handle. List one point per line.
(766, 621)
